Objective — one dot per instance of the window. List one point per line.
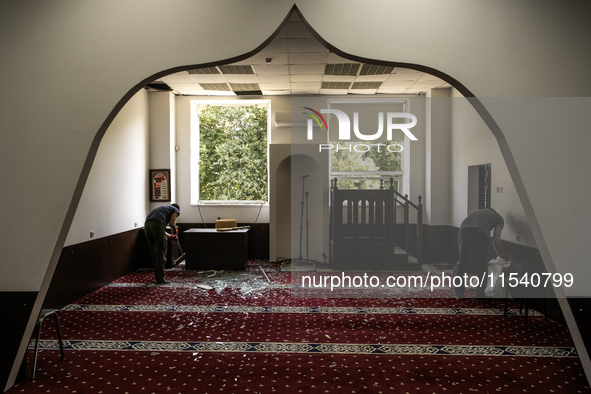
(363, 164)
(229, 151)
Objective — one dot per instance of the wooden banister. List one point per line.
(404, 201)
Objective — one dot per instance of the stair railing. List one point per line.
(403, 200)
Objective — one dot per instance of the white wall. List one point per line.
(472, 143)
(115, 197)
(163, 137)
(437, 156)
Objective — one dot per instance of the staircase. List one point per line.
(363, 230)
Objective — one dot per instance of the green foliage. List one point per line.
(233, 153)
(357, 163)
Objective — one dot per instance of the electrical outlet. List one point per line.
(92, 234)
(517, 238)
(135, 224)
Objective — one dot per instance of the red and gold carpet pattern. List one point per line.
(248, 334)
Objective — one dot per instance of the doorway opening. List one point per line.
(479, 195)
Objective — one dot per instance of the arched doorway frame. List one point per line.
(474, 101)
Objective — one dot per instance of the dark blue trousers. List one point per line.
(472, 239)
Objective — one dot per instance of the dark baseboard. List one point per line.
(441, 244)
(88, 266)
(581, 309)
(17, 307)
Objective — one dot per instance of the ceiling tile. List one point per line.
(277, 45)
(363, 91)
(218, 93)
(427, 84)
(415, 91)
(186, 88)
(429, 77)
(305, 91)
(273, 78)
(282, 33)
(182, 77)
(306, 78)
(252, 78)
(208, 78)
(265, 69)
(245, 62)
(274, 85)
(276, 92)
(307, 58)
(305, 85)
(317, 69)
(391, 90)
(298, 30)
(397, 84)
(305, 45)
(276, 58)
(402, 77)
(333, 58)
(333, 92)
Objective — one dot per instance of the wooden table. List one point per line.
(209, 249)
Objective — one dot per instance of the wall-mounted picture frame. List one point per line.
(159, 185)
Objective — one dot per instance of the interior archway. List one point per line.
(456, 84)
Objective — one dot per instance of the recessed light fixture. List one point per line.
(268, 60)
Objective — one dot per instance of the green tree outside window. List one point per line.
(233, 153)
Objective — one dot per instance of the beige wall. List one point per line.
(116, 197)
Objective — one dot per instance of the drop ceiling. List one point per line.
(296, 63)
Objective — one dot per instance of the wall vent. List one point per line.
(336, 85)
(236, 69)
(374, 69)
(245, 87)
(220, 87)
(366, 85)
(159, 87)
(341, 69)
(248, 93)
(205, 70)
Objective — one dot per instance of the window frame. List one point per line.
(194, 155)
(401, 177)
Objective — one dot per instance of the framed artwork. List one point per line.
(159, 185)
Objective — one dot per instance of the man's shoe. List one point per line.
(161, 282)
(482, 299)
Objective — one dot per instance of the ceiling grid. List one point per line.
(296, 63)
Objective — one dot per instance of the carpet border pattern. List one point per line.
(307, 348)
(292, 309)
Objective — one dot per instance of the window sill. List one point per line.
(230, 204)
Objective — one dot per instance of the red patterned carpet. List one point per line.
(251, 334)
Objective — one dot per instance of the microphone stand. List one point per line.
(304, 193)
(307, 243)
